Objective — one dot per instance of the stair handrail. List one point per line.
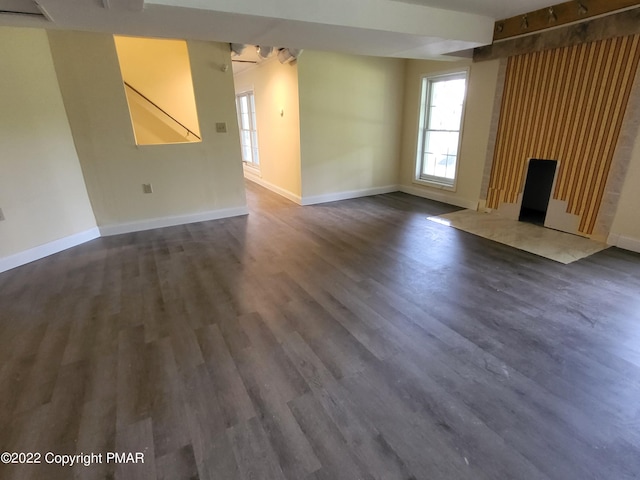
(189, 131)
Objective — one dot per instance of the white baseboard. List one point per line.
(334, 197)
(42, 251)
(439, 197)
(620, 241)
(117, 229)
(274, 188)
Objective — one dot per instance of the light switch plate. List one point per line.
(221, 127)
(147, 188)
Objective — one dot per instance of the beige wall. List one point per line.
(160, 70)
(150, 126)
(187, 179)
(276, 89)
(475, 134)
(350, 122)
(627, 220)
(42, 192)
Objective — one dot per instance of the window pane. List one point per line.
(245, 138)
(429, 164)
(442, 143)
(446, 104)
(439, 166)
(445, 117)
(441, 150)
(244, 121)
(246, 153)
(447, 92)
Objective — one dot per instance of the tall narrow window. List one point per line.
(246, 107)
(442, 106)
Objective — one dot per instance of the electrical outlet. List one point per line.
(147, 188)
(1, 215)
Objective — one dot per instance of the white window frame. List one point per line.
(253, 130)
(425, 103)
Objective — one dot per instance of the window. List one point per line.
(442, 106)
(246, 107)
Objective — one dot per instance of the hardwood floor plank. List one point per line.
(166, 399)
(133, 393)
(229, 389)
(25, 435)
(207, 430)
(38, 388)
(337, 460)
(253, 452)
(178, 465)
(136, 438)
(315, 373)
(97, 433)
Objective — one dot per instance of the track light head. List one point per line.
(264, 51)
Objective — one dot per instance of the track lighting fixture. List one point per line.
(237, 48)
(287, 55)
(264, 51)
(525, 23)
(552, 15)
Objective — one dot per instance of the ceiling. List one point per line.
(427, 29)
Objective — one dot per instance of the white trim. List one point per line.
(334, 197)
(253, 128)
(252, 177)
(250, 168)
(439, 196)
(621, 241)
(423, 118)
(149, 224)
(42, 251)
(434, 184)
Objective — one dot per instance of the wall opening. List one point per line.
(537, 190)
(156, 75)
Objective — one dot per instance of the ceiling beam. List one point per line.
(615, 25)
(557, 15)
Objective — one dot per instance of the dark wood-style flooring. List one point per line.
(351, 340)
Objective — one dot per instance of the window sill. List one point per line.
(249, 169)
(251, 166)
(434, 184)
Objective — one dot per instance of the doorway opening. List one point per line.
(537, 191)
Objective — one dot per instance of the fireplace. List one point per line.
(537, 191)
